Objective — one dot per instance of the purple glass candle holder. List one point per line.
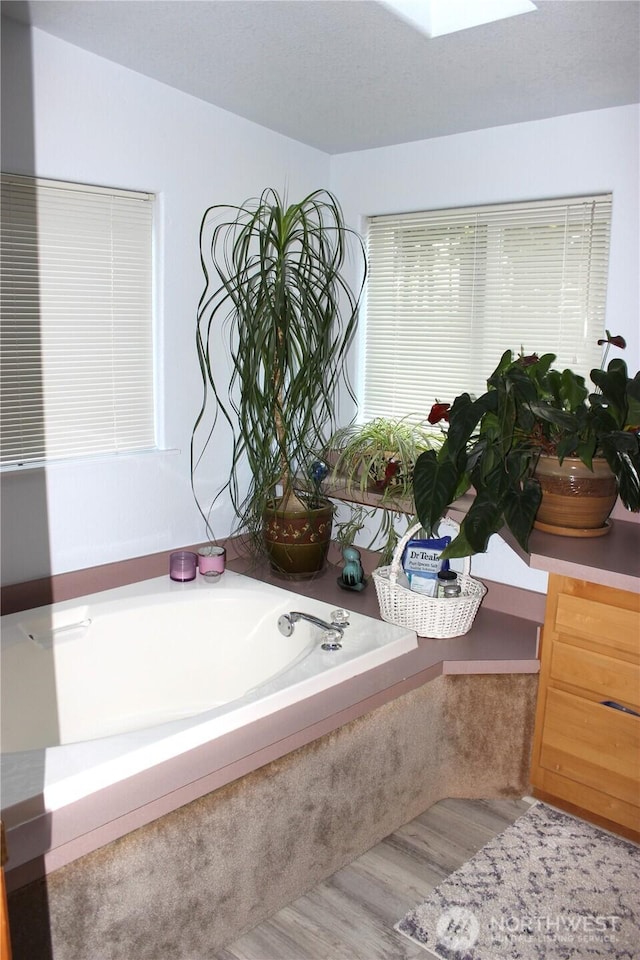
(183, 565)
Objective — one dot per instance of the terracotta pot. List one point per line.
(576, 501)
(297, 542)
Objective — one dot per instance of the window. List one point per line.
(76, 324)
(450, 290)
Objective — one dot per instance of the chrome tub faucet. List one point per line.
(334, 631)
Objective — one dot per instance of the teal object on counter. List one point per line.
(352, 573)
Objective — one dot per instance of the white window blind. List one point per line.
(450, 290)
(76, 323)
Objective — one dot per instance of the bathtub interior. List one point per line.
(115, 664)
(144, 672)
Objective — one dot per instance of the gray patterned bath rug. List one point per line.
(550, 887)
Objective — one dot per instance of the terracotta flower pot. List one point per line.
(297, 542)
(576, 501)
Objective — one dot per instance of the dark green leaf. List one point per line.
(612, 384)
(633, 402)
(463, 420)
(572, 389)
(482, 520)
(435, 483)
(520, 510)
(622, 452)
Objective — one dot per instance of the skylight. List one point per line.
(438, 17)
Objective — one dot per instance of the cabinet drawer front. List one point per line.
(615, 627)
(592, 744)
(612, 679)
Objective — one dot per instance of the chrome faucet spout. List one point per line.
(297, 615)
(334, 631)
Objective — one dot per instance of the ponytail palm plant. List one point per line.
(276, 291)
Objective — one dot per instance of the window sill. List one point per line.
(16, 470)
(341, 490)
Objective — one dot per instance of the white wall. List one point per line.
(75, 116)
(566, 156)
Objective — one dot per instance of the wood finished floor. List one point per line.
(351, 915)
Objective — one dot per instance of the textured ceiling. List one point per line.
(346, 75)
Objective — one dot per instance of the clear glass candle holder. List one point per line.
(183, 565)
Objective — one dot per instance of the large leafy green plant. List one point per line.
(274, 285)
(493, 443)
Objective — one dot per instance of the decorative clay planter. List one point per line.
(576, 501)
(297, 543)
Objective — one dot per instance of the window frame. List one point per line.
(586, 216)
(114, 265)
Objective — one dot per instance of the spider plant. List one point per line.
(276, 290)
(381, 454)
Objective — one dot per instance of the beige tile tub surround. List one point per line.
(184, 885)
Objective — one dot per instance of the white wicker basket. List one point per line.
(434, 617)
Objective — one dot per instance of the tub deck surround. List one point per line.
(79, 583)
(42, 839)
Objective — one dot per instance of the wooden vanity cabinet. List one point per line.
(586, 750)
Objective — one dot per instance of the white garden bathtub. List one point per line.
(99, 689)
